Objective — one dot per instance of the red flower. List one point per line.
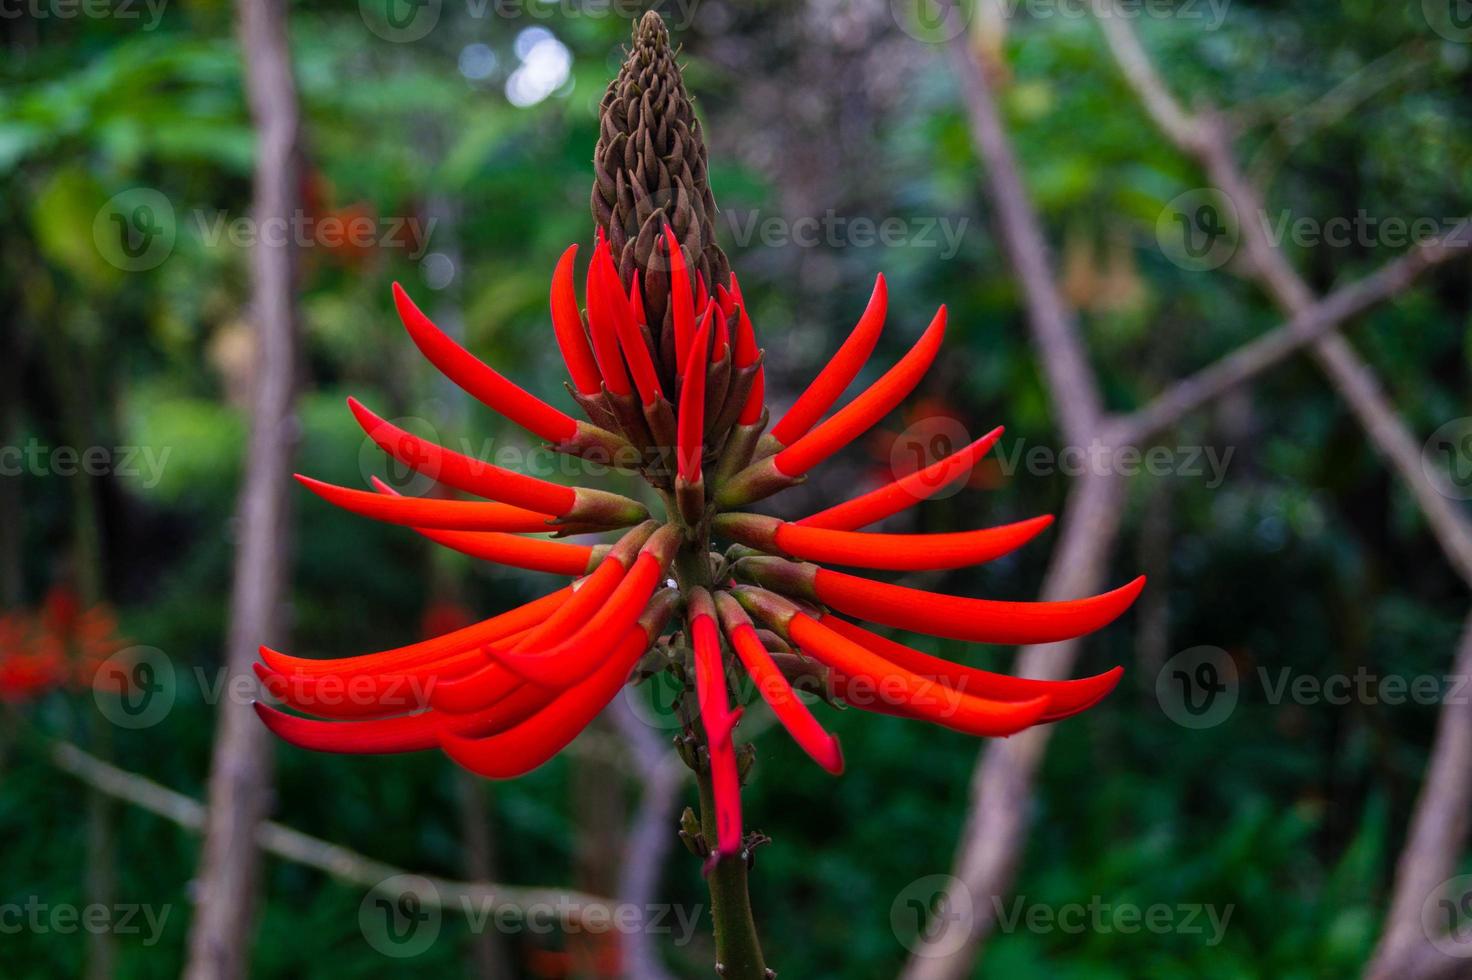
(60, 645)
(502, 696)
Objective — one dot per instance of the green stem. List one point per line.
(738, 950)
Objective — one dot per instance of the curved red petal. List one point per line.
(907, 491)
(415, 655)
(478, 378)
(917, 696)
(846, 364)
(430, 512)
(977, 620)
(1065, 698)
(463, 472)
(851, 421)
(774, 688)
(567, 324)
(407, 733)
(527, 745)
(907, 552)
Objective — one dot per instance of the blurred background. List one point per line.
(1297, 580)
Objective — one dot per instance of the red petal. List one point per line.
(839, 372)
(537, 554)
(582, 653)
(691, 421)
(746, 348)
(527, 745)
(682, 306)
(777, 692)
(977, 620)
(567, 324)
(472, 692)
(459, 515)
(912, 693)
(463, 472)
(905, 492)
(418, 654)
(603, 292)
(907, 552)
(480, 379)
(866, 409)
(1065, 698)
(407, 733)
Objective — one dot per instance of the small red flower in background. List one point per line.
(503, 695)
(60, 645)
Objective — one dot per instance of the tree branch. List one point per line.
(1434, 842)
(1316, 322)
(1071, 381)
(338, 862)
(240, 769)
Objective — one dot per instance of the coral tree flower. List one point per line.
(665, 364)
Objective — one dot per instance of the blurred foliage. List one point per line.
(1309, 557)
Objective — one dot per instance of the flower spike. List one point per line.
(664, 362)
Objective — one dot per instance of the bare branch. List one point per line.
(1316, 322)
(240, 769)
(339, 862)
(1434, 843)
(1071, 381)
